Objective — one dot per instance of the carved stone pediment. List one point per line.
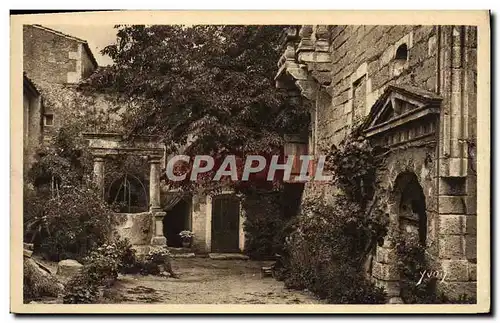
(402, 114)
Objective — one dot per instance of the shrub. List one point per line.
(263, 223)
(156, 260)
(68, 225)
(36, 284)
(81, 290)
(326, 246)
(412, 262)
(100, 269)
(326, 249)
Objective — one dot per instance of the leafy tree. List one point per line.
(204, 89)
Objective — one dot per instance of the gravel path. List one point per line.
(206, 281)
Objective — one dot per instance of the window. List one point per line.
(358, 98)
(48, 120)
(402, 52)
(400, 60)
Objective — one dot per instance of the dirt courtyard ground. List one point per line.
(207, 281)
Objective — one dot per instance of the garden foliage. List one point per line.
(263, 221)
(326, 246)
(412, 262)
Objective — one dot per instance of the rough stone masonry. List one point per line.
(416, 87)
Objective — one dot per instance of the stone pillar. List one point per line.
(158, 238)
(154, 202)
(384, 265)
(99, 174)
(154, 184)
(456, 187)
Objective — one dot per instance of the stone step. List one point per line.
(227, 256)
(179, 250)
(183, 255)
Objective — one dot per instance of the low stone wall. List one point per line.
(137, 228)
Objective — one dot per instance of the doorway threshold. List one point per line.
(227, 256)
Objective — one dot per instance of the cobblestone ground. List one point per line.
(206, 281)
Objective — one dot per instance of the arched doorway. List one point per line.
(177, 219)
(128, 193)
(412, 217)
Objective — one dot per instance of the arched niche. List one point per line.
(410, 206)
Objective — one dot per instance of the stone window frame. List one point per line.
(405, 40)
(360, 73)
(45, 123)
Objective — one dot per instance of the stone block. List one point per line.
(457, 166)
(158, 241)
(227, 256)
(431, 45)
(451, 204)
(452, 186)
(471, 247)
(471, 204)
(451, 247)
(421, 33)
(73, 55)
(385, 271)
(68, 268)
(455, 270)
(452, 224)
(387, 56)
(183, 255)
(471, 224)
(385, 255)
(455, 289)
(472, 271)
(136, 227)
(72, 77)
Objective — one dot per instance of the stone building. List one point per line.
(56, 57)
(32, 120)
(55, 63)
(51, 60)
(159, 213)
(414, 87)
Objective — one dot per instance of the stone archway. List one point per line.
(104, 145)
(129, 192)
(410, 206)
(406, 206)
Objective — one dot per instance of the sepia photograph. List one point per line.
(300, 165)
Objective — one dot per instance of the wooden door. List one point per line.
(225, 223)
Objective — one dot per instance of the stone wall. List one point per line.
(88, 66)
(48, 56)
(457, 177)
(32, 122)
(363, 62)
(199, 223)
(55, 62)
(341, 71)
(137, 227)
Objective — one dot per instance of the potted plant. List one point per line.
(187, 238)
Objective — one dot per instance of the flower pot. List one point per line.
(186, 243)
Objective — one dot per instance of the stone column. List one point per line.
(457, 235)
(154, 202)
(154, 184)
(99, 174)
(384, 264)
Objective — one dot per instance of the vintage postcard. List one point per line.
(276, 162)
